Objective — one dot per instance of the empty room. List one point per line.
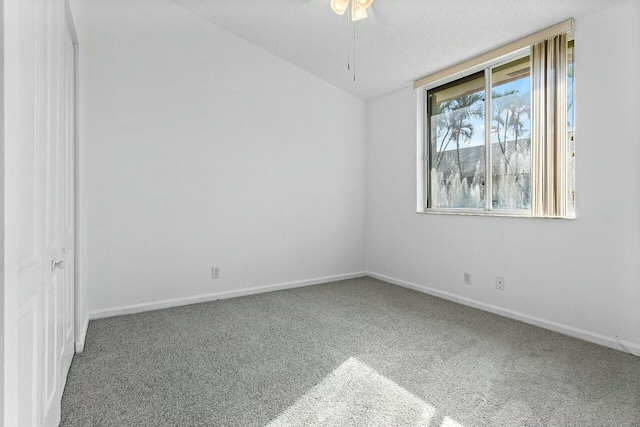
(320, 213)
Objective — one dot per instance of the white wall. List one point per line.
(201, 149)
(580, 273)
(204, 150)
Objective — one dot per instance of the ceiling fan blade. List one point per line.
(369, 23)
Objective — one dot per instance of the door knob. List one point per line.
(59, 264)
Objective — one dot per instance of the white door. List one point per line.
(40, 140)
(58, 224)
(27, 101)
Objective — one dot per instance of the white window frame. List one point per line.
(493, 59)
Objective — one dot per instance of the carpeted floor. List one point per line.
(358, 352)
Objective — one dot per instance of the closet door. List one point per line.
(40, 146)
(58, 224)
(25, 105)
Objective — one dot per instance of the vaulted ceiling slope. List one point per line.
(406, 39)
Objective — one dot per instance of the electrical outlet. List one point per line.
(500, 283)
(215, 272)
(467, 278)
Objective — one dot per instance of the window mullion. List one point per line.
(488, 165)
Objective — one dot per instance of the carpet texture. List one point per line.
(358, 352)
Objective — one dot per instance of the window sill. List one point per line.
(509, 214)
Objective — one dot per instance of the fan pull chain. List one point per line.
(354, 53)
(348, 44)
(350, 25)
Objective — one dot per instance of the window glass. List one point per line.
(511, 135)
(456, 135)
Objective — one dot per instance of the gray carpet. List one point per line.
(358, 352)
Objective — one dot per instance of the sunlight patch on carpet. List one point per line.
(356, 395)
(449, 422)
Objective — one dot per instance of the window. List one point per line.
(498, 137)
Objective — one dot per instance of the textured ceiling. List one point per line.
(407, 39)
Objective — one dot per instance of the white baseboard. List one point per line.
(82, 336)
(593, 337)
(537, 321)
(157, 305)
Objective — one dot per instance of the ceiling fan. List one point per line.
(358, 8)
(355, 10)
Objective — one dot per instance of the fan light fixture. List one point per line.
(358, 8)
(358, 12)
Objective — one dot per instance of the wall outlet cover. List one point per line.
(467, 278)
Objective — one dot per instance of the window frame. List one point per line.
(486, 70)
(423, 140)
